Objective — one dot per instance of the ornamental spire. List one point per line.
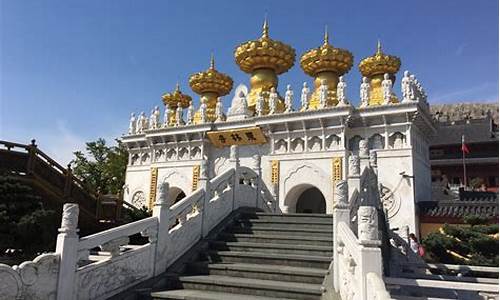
(265, 29)
(379, 47)
(212, 61)
(177, 87)
(325, 38)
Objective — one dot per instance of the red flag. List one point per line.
(465, 149)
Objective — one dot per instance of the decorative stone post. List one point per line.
(258, 184)
(161, 211)
(340, 214)
(67, 248)
(373, 160)
(204, 184)
(234, 161)
(353, 175)
(371, 255)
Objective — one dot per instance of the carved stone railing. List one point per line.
(357, 269)
(106, 263)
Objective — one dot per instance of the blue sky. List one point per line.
(72, 71)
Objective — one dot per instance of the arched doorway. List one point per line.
(311, 201)
(175, 194)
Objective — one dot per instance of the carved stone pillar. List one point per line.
(353, 174)
(234, 161)
(161, 211)
(67, 248)
(258, 184)
(340, 214)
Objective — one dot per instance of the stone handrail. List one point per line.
(98, 239)
(376, 287)
(106, 263)
(348, 240)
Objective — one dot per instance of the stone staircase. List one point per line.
(261, 256)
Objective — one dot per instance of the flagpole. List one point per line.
(463, 162)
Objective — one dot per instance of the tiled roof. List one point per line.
(483, 204)
(458, 111)
(476, 131)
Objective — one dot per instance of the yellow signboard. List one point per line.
(336, 169)
(196, 176)
(152, 186)
(275, 171)
(241, 136)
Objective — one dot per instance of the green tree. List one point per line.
(101, 167)
(25, 225)
(475, 244)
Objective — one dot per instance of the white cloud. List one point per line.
(479, 93)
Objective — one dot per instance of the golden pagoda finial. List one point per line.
(212, 61)
(265, 29)
(325, 38)
(379, 47)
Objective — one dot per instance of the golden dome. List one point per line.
(264, 53)
(211, 81)
(172, 99)
(380, 63)
(326, 58)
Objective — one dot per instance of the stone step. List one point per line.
(299, 249)
(284, 223)
(283, 231)
(290, 217)
(260, 271)
(206, 295)
(277, 239)
(250, 257)
(256, 287)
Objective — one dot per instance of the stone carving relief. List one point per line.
(159, 154)
(134, 159)
(376, 141)
(333, 142)
(367, 223)
(139, 199)
(397, 140)
(341, 194)
(390, 202)
(314, 143)
(221, 164)
(363, 148)
(354, 168)
(171, 154)
(195, 152)
(298, 145)
(183, 153)
(281, 146)
(119, 273)
(145, 158)
(35, 279)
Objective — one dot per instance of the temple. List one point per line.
(300, 151)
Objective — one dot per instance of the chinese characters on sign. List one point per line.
(152, 187)
(196, 176)
(275, 171)
(336, 169)
(242, 136)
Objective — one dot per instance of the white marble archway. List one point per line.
(298, 179)
(178, 183)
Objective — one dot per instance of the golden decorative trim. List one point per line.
(152, 187)
(275, 171)
(241, 136)
(196, 176)
(336, 169)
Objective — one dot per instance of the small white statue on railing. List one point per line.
(323, 94)
(273, 101)
(413, 89)
(132, 129)
(341, 92)
(364, 92)
(157, 114)
(387, 88)
(190, 113)
(406, 86)
(219, 110)
(167, 116)
(259, 106)
(288, 99)
(143, 121)
(152, 119)
(179, 115)
(203, 110)
(304, 97)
